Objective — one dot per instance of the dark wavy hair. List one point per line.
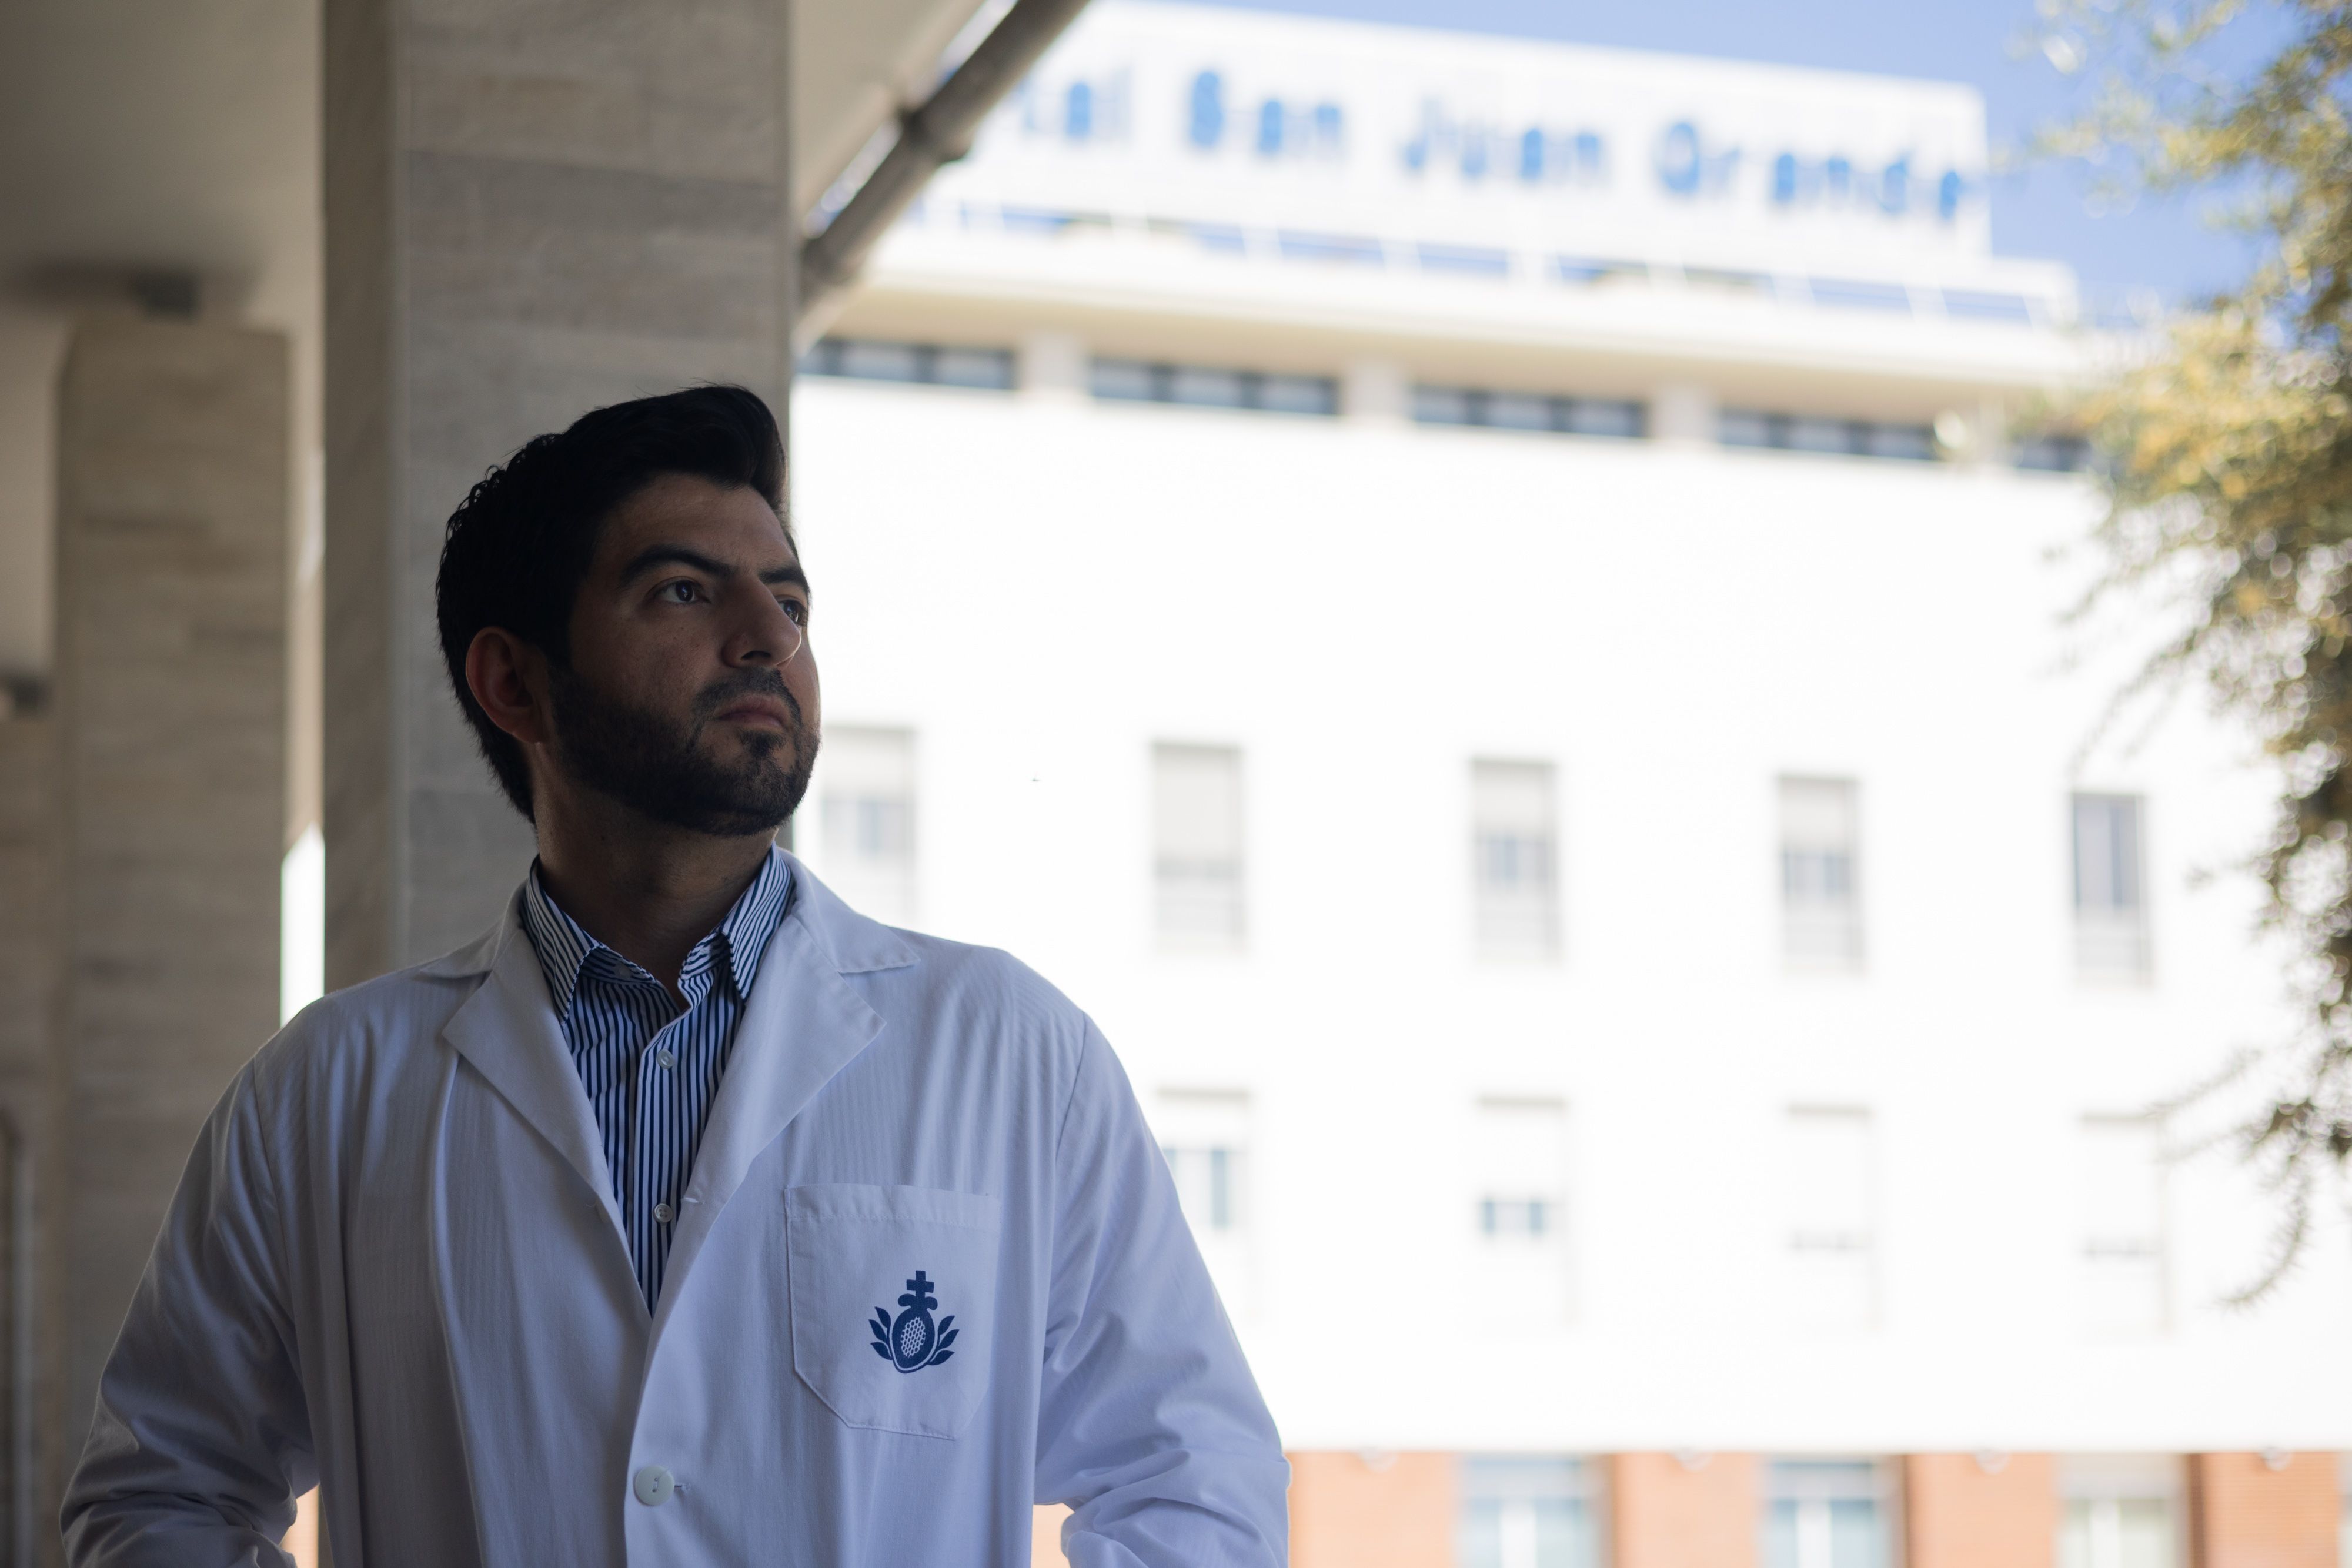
(521, 542)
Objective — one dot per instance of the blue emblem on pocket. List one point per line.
(911, 1342)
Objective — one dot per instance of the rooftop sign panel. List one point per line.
(1478, 145)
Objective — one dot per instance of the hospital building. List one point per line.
(1497, 612)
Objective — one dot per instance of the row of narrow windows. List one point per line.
(1212, 386)
(1827, 1191)
(1992, 306)
(1547, 1510)
(1200, 856)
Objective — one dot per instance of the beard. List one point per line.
(655, 766)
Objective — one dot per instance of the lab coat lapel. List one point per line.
(801, 1025)
(508, 1032)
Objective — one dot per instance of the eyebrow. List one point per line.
(654, 556)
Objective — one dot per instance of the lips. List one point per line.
(762, 712)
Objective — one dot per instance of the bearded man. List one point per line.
(687, 1216)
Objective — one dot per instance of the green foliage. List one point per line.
(2228, 446)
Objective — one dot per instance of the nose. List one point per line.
(763, 633)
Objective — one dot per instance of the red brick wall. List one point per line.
(2244, 1514)
(1957, 1514)
(1046, 1542)
(1664, 1513)
(1393, 1512)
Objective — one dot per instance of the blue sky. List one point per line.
(2158, 247)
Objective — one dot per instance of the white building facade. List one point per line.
(1490, 611)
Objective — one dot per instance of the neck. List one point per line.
(647, 890)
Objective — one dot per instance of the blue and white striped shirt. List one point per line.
(651, 1069)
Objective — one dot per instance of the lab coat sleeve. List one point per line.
(1150, 1424)
(201, 1437)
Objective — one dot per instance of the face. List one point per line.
(692, 692)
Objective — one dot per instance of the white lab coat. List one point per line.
(395, 1263)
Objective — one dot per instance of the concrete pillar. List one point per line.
(1353, 1510)
(30, 1394)
(1669, 1511)
(1053, 366)
(1379, 391)
(1963, 1510)
(1684, 413)
(2263, 1510)
(172, 498)
(531, 209)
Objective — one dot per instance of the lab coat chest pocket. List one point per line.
(894, 1302)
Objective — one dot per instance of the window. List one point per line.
(1826, 1513)
(2054, 453)
(869, 795)
(2119, 1512)
(1832, 1273)
(1821, 898)
(2122, 1226)
(930, 364)
(1527, 1512)
(1519, 1209)
(1810, 432)
(1855, 294)
(1196, 811)
(1590, 271)
(1978, 304)
(2344, 1522)
(1513, 850)
(1528, 411)
(1203, 386)
(2110, 892)
(1205, 1137)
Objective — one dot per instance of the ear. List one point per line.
(508, 677)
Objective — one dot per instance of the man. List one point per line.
(687, 1216)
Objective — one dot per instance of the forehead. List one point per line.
(734, 523)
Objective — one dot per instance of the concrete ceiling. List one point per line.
(182, 136)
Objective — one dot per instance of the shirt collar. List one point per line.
(565, 948)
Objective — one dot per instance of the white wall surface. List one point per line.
(1040, 588)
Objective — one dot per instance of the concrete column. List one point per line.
(1377, 390)
(1053, 366)
(1683, 412)
(532, 210)
(1963, 1511)
(1348, 1510)
(2263, 1510)
(1668, 1511)
(172, 504)
(30, 1393)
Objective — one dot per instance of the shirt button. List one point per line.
(664, 1213)
(666, 1059)
(653, 1485)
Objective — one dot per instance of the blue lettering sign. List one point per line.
(1537, 154)
(1836, 181)
(1078, 111)
(1948, 192)
(1207, 127)
(1689, 166)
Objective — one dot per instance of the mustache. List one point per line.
(752, 683)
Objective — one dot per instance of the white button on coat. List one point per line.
(929, 1268)
(653, 1485)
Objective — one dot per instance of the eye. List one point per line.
(683, 591)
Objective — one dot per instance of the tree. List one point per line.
(2226, 447)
